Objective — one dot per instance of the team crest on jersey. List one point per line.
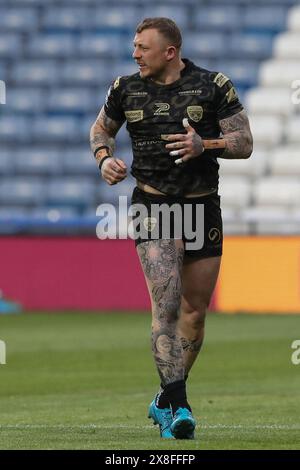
(149, 223)
(134, 116)
(220, 79)
(195, 113)
(162, 109)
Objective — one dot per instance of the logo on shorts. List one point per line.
(214, 235)
(150, 223)
(162, 109)
(134, 116)
(195, 113)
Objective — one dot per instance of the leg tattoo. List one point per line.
(162, 261)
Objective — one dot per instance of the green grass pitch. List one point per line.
(84, 381)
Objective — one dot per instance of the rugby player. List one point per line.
(181, 118)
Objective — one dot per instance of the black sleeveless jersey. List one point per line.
(152, 110)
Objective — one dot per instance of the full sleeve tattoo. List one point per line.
(103, 133)
(237, 135)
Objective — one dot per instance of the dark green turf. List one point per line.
(85, 381)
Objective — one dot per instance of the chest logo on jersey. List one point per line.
(162, 109)
(195, 113)
(190, 92)
(134, 116)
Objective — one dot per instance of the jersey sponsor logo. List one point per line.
(137, 93)
(195, 113)
(162, 109)
(220, 79)
(231, 95)
(214, 235)
(150, 223)
(190, 92)
(134, 115)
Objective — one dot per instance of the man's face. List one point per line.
(150, 52)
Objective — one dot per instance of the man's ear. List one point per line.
(170, 53)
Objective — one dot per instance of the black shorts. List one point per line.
(197, 221)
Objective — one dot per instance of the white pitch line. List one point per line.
(274, 427)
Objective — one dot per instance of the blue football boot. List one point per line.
(183, 424)
(163, 417)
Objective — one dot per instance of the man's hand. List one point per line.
(185, 146)
(113, 170)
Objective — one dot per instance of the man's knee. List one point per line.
(194, 319)
(193, 314)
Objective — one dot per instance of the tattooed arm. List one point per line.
(236, 140)
(237, 136)
(103, 133)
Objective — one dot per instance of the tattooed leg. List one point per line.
(199, 279)
(162, 262)
(192, 329)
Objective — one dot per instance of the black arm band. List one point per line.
(101, 148)
(102, 160)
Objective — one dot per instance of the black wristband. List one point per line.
(102, 161)
(101, 148)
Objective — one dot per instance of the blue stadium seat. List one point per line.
(18, 19)
(17, 3)
(10, 45)
(99, 100)
(177, 13)
(21, 100)
(99, 45)
(6, 160)
(122, 138)
(250, 46)
(211, 45)
(115, 18)
(86, 123)
(47, 220)
(13, 219)
(86, 72)
(51, 45)
(265, 18)
(242, 73)
(218, 18)
(110, 194)
(71, 100)
(53, 214)
(66, 18)
(14, 129)
(41, 72)
(77, 192)
(79, 161)
(125, 68)
(3, 70)
(38, 161)
(56, 129)
(21, 191)
(124, 152)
